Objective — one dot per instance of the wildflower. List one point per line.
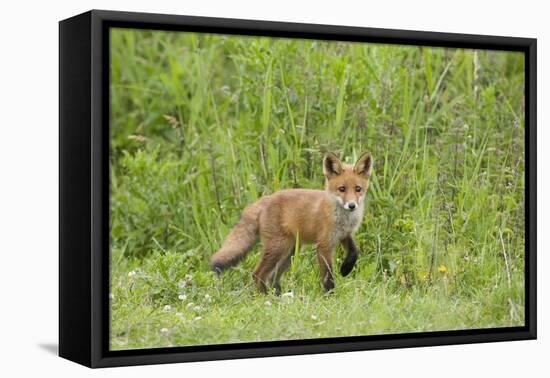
(172, 121)
(442, 269)
(198, 308)
(182, 297)
(167, 308)
(422, 276)
(267, 303)
(289, 294)
(164, 330)
(190, 304)
(198, 318)
(314, 317)
(131, 273)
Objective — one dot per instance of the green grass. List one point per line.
(202, 125)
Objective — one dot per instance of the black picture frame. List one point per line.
(84, 192)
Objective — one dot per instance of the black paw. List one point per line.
(347, 265)
(328, 284)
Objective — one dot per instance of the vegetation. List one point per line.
(202, 125)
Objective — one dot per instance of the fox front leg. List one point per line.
(324, 257)
(351, 255)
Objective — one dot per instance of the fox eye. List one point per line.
(342, 189)
(357, 188)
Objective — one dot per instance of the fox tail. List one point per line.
(240, 240)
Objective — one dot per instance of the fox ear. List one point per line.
(332, 166)
(363, 165)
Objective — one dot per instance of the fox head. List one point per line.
(347, 184)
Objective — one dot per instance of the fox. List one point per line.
(324, 218)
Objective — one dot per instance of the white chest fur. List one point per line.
(345, 222)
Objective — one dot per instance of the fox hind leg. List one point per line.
(275, 251)
(281, 267)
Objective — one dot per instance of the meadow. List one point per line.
(202, 125)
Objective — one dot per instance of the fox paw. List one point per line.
(347, 265)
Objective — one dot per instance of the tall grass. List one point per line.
(202, 125)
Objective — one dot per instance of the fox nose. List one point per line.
(351, 205)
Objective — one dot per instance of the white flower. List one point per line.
(164, 330)
(189, 277)
(198, 318)
(167, 308)
(267, 303)
(289, 294)
(182, 284)
(182, 297)
(131, 273)
(314, 317)
(190, 304)
(198, 308)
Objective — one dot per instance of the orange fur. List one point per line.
(320, 217)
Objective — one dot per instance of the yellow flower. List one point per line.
(442, 269)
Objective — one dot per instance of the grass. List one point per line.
(202, 125)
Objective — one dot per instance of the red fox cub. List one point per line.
(320, 217)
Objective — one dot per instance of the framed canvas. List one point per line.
(234, 188)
